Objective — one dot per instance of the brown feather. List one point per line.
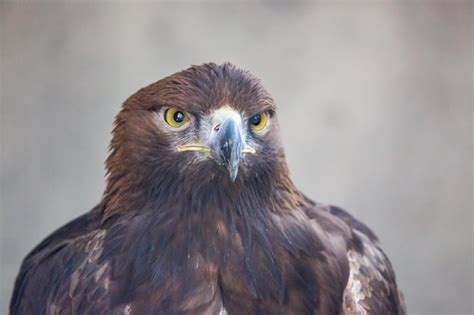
(174, 235)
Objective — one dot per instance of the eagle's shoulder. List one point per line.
(49, 274)
(371, 286)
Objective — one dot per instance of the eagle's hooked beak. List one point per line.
(226, 142)
(227, 145)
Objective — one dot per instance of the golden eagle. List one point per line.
(200, 216)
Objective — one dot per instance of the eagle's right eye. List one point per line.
(176, 117)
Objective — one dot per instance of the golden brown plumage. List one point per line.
(200, 216)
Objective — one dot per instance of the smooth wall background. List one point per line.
(375, 109)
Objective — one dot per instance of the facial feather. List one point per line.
(146, 154)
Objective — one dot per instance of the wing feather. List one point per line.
(371, 287)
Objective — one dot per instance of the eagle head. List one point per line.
(201, 130)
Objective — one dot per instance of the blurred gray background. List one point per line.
(375, 110)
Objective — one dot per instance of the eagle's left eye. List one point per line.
(258, 121)
(176, 117)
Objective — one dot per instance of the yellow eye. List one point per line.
(259, 121)
(175, 117)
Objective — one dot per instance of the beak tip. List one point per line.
(233, 171)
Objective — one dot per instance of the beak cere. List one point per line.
(226, 146)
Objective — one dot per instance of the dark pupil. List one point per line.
(178, 117)
(255, 120)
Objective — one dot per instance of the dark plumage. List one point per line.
(199, 216)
